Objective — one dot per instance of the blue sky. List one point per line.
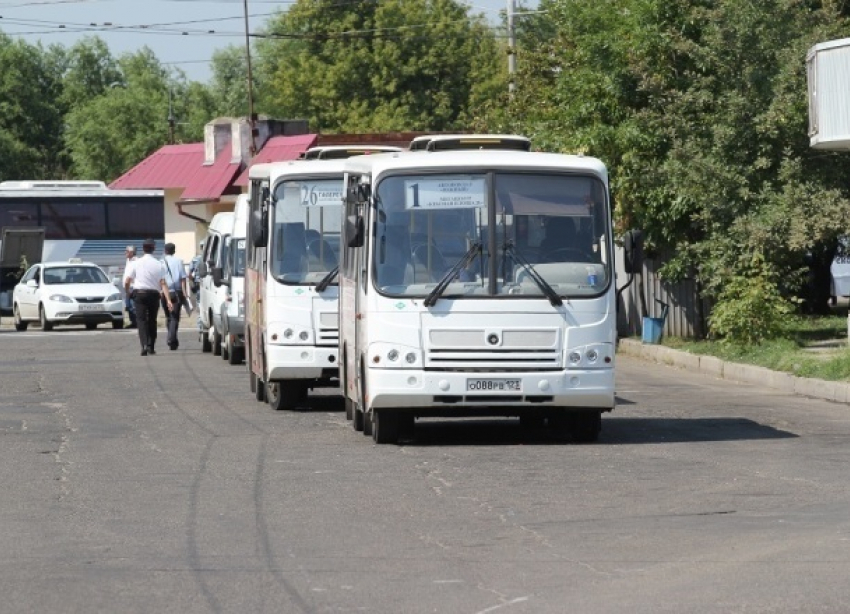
(120, 23)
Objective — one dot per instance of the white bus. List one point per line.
(290, 284)
(477, 283)
(81, 219)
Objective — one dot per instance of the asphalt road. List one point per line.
(159, 484)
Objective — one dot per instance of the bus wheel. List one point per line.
(385, 427)
(216, 342)
(586, 426)
(252, 379)
(236, 356)
(368, 423)
(259, 388)
(285, 394)
(206, 344)
(349, 408)
(357, 418)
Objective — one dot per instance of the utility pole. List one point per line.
(252, 118)
(511, 47)
(171, 119)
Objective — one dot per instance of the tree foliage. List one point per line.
(366, 66)
(699, 109)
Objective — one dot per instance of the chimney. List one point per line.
(217, 134)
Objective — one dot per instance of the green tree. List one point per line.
(114, 131)
(367, 66)
(699, 109)
(30, 116)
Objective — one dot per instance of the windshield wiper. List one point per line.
(327, 279)
(548, 290)
(474, 250)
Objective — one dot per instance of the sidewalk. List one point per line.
(838, 392)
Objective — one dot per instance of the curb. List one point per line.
(838, 392)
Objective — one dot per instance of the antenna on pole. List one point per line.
(252, 118)
(511, 47)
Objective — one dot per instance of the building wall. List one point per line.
(187, 233)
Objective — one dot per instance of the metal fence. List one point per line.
(687, 313)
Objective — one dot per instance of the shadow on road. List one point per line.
(615, 431)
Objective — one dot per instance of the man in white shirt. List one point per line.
(129, 307)
(147, 276)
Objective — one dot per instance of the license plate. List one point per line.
(91, 307)
(494, 385)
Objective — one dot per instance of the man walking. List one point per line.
(175, 278)
(130, 308)
(147, 275)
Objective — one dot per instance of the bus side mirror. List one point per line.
(202, 269)
(354, 230)
(258, 229)
(633, 251)
(218, 275)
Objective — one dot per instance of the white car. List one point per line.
(72, 292)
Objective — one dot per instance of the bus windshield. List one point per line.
(537, 234)
(304, 243)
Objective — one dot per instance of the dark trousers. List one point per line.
(147, 308)
(173, 316)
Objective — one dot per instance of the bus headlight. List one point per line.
(289, 334)
(394, 356)
(595, 356)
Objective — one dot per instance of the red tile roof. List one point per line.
(210, 182)
(172, 166)
(279, 149)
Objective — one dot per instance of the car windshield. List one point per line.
(540, 234)
(304, 243)
(74, 275)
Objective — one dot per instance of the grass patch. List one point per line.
(812, 346)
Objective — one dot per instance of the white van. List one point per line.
(231, 277)
(212, 296)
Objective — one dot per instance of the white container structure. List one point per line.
(828, 70)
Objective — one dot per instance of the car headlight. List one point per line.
(113, 297)
(60, 298)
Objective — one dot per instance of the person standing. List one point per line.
(175, 278)
(147, 275)
(129, 307)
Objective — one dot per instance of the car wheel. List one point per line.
(19, 323)
(45, 323)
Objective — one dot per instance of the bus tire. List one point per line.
(236, 356)
(586, 426)
(385, 426)
(216, 342)
(206, 344)
(349, 409)
(252, 382)
(285, 394)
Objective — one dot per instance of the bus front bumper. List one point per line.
(491, 394)
(302, 362)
